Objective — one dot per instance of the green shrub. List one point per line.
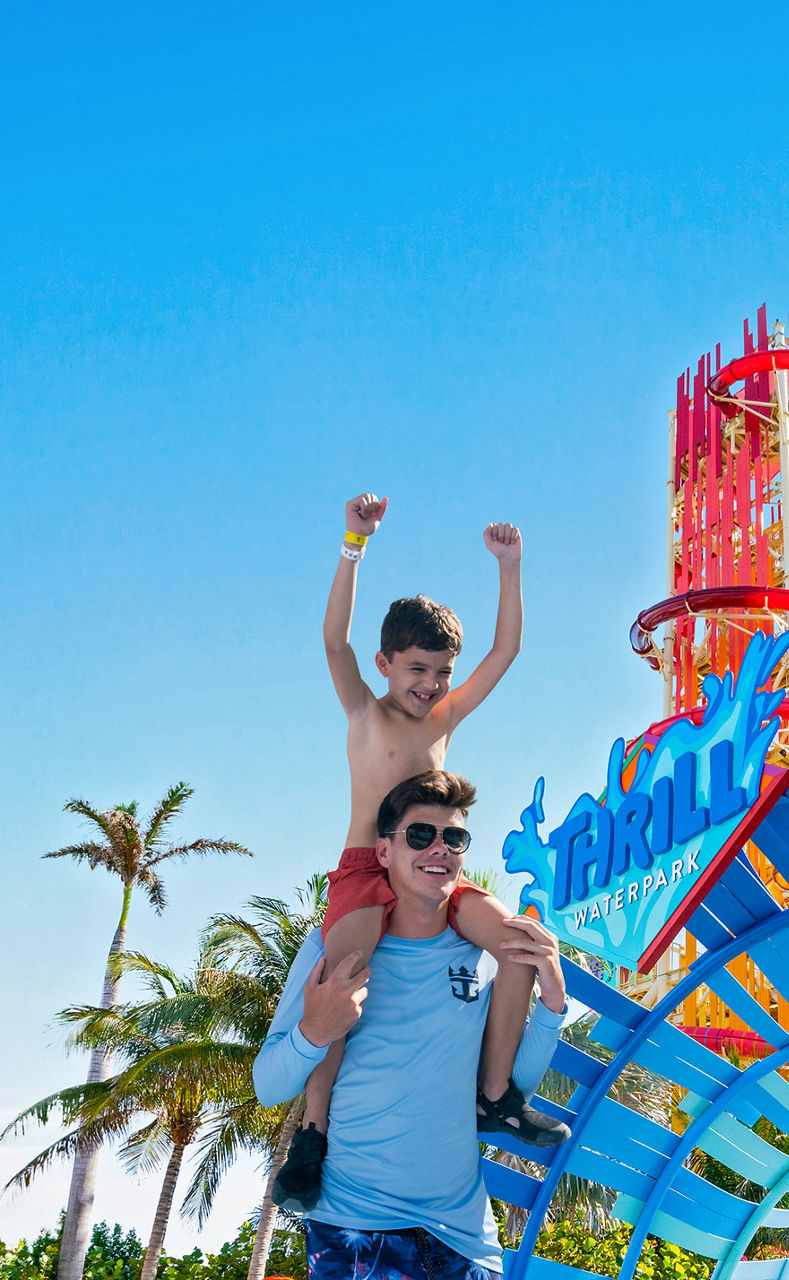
(113, 1255)
(287, 1257)
(571, 1243)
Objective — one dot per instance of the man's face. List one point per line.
(428, 874)
(418, 678)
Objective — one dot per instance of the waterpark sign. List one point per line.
(621, 875)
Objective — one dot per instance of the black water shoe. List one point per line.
(297, 1186)
(535, 1127)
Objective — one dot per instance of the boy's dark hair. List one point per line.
(420, 622)
(434, 786)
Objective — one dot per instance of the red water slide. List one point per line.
(718, 387)
(702, 601)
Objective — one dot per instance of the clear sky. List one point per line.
(255, 259)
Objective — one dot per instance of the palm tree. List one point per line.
(133, 852)
(261, 951)
(175, 1067)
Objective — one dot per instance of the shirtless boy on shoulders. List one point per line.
(392, 738)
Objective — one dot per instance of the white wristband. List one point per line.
(351, 553)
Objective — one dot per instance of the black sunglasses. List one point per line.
(420, 835)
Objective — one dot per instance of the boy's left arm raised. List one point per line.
(505, 543)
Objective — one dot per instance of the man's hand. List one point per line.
(536, 945)
(332, 1007)
(504, 541)
(365, 513)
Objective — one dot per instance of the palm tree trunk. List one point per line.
(77, 1222)
(156, 1243)
(268, 1209)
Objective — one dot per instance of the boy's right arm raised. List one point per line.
(363, 516)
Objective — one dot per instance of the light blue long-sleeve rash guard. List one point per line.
(403, 1149)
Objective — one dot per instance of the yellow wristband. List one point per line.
(359, 538)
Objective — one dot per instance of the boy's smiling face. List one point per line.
(418, 678)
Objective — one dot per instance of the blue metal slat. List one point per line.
(706, 927)
(674, 1229)
(548, 1269)
(772, 957)
(615, 1119)
(739, 898)
(509, 1184)
(772, 836)
(771, 1099)
(740, 1107)
(598, 1167)
(705, 1195)
(744, 1005)
(584, 986)
(682, 1069)
(576, 1064)
(744, 1151)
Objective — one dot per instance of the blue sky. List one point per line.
(256, 259)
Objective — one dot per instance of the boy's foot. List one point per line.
(297, 1186)
(533, 1127)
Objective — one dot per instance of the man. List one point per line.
(402, 1189)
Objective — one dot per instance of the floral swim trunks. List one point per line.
(335, 1253)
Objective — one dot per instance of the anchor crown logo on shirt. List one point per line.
(465, 984)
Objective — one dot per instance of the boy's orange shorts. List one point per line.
(361, 881)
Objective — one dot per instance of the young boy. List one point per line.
(391, 738)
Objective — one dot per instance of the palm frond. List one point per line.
(167, 808)
(110, 1030)
(65, 1148)
(159, 977)
(88, 1136)
(154, 889)
(146, 1150)
(314, 896)
(67, 1102)
(200, 847)
(96, 855)
(239, 1127)
(205, 1068)
(232, 940)
(85, 810)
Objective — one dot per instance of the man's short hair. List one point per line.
(434, 786)
(418, 621)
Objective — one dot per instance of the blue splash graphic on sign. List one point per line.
(611, 875)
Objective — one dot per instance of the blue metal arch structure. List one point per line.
(646, 1162)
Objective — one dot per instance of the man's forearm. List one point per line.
(281, 1068)
(287, 1057)
(536, 1048)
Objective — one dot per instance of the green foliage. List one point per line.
(570, 1242)
(112, 1255)
(287, 1257)
(38, 1261)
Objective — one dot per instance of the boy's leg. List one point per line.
(479, 918)
(298, 1183)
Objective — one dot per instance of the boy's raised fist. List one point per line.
(504, 541)
(365, 513)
